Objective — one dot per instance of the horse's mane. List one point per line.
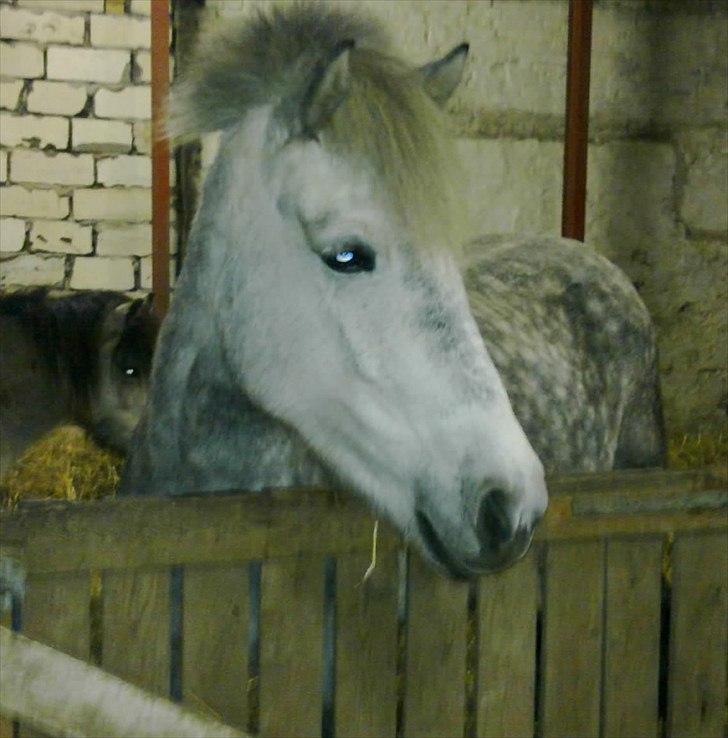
(387, 119)
(65, 327)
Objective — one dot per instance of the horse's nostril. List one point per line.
(494, 523)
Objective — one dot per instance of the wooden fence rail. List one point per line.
(252, 609)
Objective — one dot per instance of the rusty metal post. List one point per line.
(577, 119)
(160, 157)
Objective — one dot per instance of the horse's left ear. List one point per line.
(328, 89)
(441, 77)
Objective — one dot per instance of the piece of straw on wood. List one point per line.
(65, 697)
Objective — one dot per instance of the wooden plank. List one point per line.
(436, 654)
(55, 611)
(366, 647)
(291, 632)
(136, 627)
(507, 610)
(632, 652)
(73, 536)
(698, 645)
(572, 643)
(215, 641)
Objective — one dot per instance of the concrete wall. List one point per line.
(658, 155)
(75, 160)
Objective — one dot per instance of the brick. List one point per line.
(10, 93)
(101, 136)
(141, 7)
(121, 31)
(129, 103)
(12, 234)
(705, 192)
(513, 186)
(56, 97)
(143, 63)
(43, 27)
(88, 65)
(630, 196)
(32, 269)
(124, 240)
(125, 170)
(145, 272)
(143, 137)
(33, 131)
(3, 166)
(61, 169)
(101, 272)
(21, 60)
(60, 235)
(20, 201)
(133, 204)
(66, 6)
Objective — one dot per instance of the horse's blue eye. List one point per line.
(358, 258)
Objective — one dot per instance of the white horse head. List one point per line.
(340, 308)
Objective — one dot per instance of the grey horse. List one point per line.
(320, 328)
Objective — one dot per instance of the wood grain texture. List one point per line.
(436, 654)
(291, 638)
(507, 611)
(632, 653)
(572, 645)
(136, 628)
(698, 643)
(366, 647)
(215, 641)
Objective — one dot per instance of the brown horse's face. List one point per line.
(126, 347)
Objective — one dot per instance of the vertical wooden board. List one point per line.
(507, 611)
(572, 645)
(366, 647)
(136, 627)
(436, 654)
(632, 648)
(55, 611)
(215, 641)
(698, 646)
(291, 633)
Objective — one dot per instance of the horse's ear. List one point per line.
(328, 89)
(441, 77)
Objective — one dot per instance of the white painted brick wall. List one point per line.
(101, 272)
(143, 61)
(33, 130)
(19, 59)
(17, 200)
(63, 236)
(10, 93)
(133, 204)
(12, 234)
(61, 169)
(124, 240)
(143, 137)
(145, 272)
(120, 31)
(3, 166)
(101, 136)
(141, 7)
(132, 171)
(131, 103)
(18, 23)
(60, 98)
(65, 6)
(32, 269)
(109, 66)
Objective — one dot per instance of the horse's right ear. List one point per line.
(328, 89)
(441, 77)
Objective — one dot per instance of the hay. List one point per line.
(64, 464)
(695, 451)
